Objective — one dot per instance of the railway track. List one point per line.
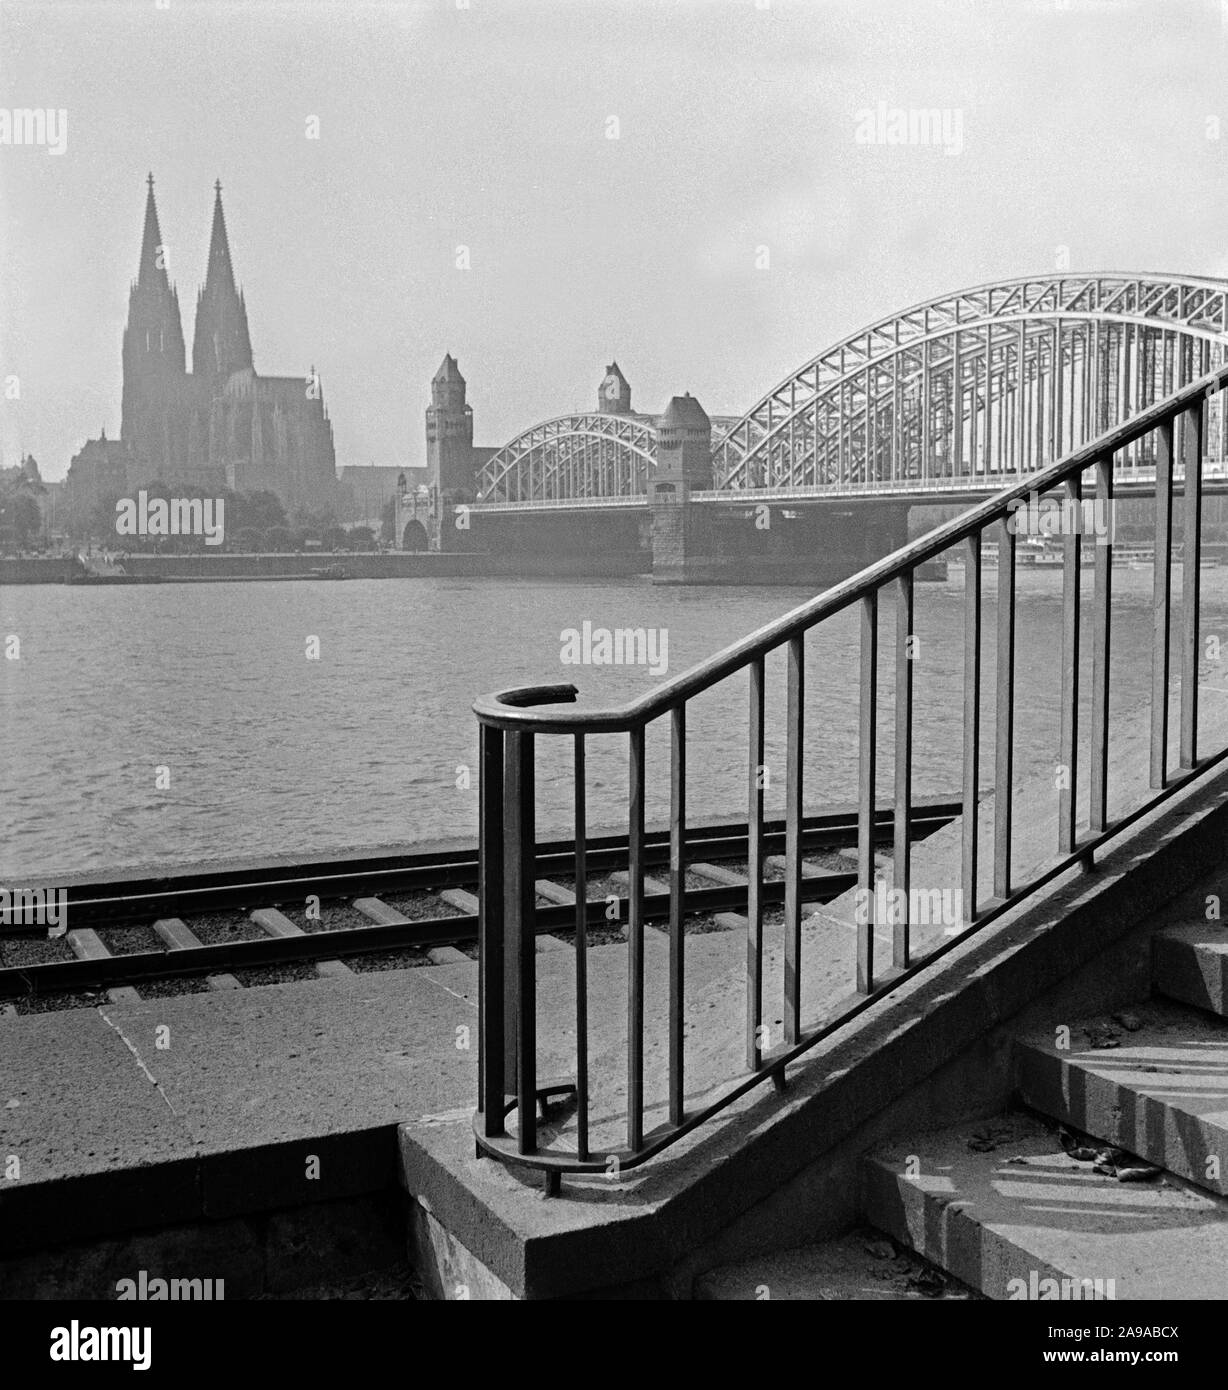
(222, 929)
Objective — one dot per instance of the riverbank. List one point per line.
(52, 569)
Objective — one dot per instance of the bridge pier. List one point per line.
(704, 542)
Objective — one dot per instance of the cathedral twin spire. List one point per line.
(221, 344)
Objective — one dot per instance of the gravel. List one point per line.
(398, 1285)
(276, 974)
(421, 907)
(69, 999)
(216, 928)
(333, 917)
(172, 986)
(404, 958)
(33, 950)
(130, 941)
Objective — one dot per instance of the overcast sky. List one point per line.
(1085, 125)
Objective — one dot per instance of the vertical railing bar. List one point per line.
(972, 726)
(1004, 751)
(1102, 635)
(1191, 580)
(677, 899)
(901, 850)
(1161, 585)
(1068, 751)
(581, 944)
(520, 898)
(867, 734)
(754, 868)
(795, 730)
(492, 1050)
(635, 942)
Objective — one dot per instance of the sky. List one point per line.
(687, 186)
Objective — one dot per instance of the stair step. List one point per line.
(863, 1265)
(1190, 963)
(1009, 1220)
(1158, 1094)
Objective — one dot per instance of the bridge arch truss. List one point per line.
(990, 381)
(572, 457)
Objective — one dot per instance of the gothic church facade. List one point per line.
(220, 424)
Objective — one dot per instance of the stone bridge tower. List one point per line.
(682, 531)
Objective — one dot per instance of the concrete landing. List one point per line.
(1008, 1219)
(1161, 1092)
(1190, 963)
(207, 1105)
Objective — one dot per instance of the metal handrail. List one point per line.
(510, 720)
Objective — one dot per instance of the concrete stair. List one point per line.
(1121, 1189)
(1111, 1182)
(1004, 1208)
(1190, 963)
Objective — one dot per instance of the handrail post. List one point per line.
(520, 910)
(493, 1060)
(1192, 434)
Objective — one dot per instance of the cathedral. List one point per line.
(220, 424)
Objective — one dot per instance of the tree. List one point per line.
(20, 519)
(250, 539)
(388, 521)
(361, 538)
(279, 538)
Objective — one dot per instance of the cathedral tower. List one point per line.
(221, 344)
(449, 434)
(153, 357)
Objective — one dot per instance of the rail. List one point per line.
(511, 721)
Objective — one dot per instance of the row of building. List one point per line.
(221, 424)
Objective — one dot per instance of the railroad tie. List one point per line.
(385, 915)
(555, 893)
(461, 899)
(780, 862)
(621, 879)
(380, 912)
(276, 923)
(653, 887)
(717, 873)
(86, 944)
(850, 856)
(178, 936)
(561, 897)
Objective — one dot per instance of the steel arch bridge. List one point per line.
(979, 385)
(573, 457)
(990, 381)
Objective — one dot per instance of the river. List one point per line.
(182, 723)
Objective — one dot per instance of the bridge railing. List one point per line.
(511, 723)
